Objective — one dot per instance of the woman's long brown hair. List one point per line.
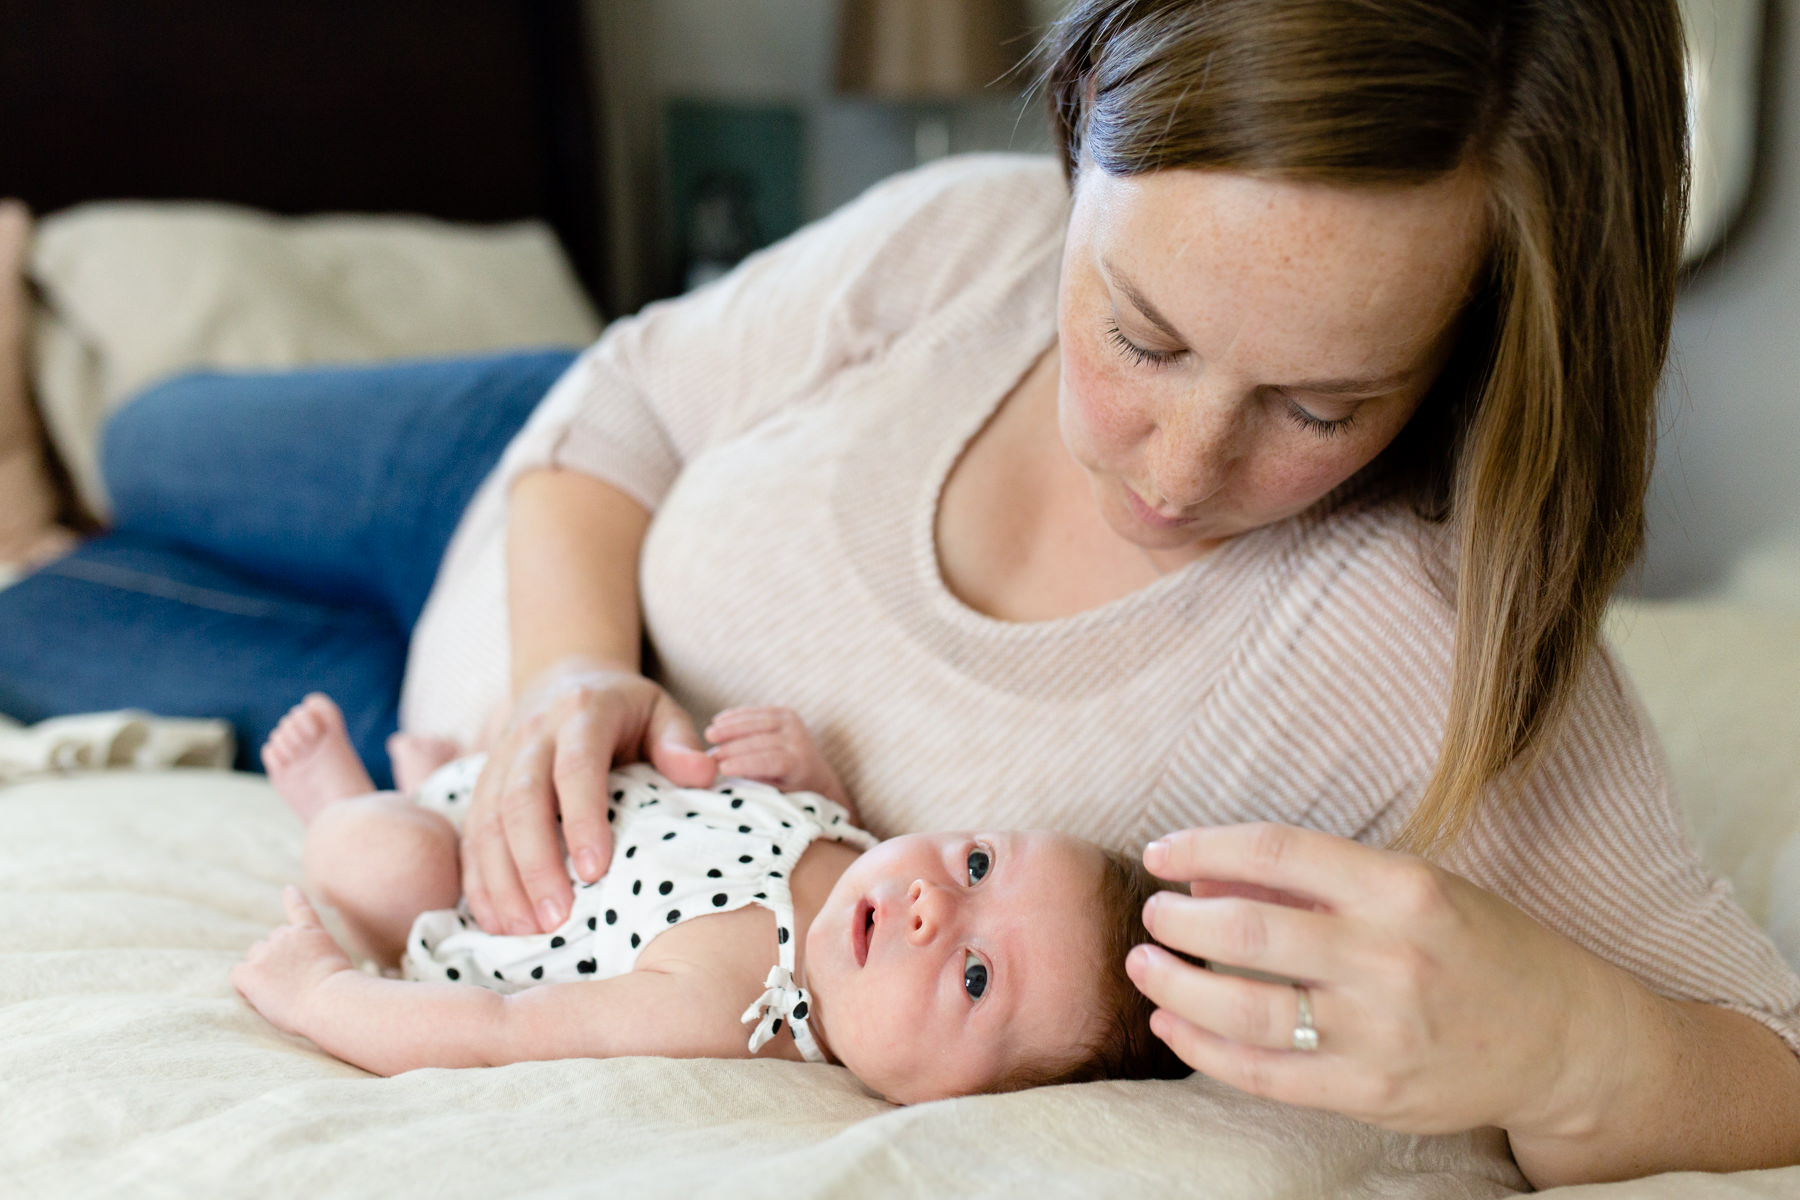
(1534, 448)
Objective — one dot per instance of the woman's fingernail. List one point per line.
(1150, 907)
(1161, 1025)
(587, 865)
(1138, 961)
(549, 913)
(1156, 853)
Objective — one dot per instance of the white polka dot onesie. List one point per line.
(678, 853)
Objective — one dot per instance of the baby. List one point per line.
(931, 965)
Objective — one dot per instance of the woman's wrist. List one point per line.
(1612, 1043)
(572, 671)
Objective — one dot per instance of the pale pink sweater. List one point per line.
(791, 427)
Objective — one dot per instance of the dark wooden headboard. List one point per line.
(467, 110)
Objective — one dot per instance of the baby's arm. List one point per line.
(772, 745)
(299, 979)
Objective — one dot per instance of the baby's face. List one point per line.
(942, 962)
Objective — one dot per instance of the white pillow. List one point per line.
(1722, 685)
(132, 293)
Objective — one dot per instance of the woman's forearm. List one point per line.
(1679, 1086)
(572, 562)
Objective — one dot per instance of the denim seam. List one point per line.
(128, 580)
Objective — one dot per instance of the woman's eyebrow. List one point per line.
(1140, 301)
(1386, 383)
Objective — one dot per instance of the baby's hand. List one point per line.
(284, 969)
(771, 745)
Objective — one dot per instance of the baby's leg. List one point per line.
(310, 760)
(416, 756)
(381, 860)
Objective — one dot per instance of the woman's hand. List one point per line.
(1439, 1006)
(549, 765)
(283, 971)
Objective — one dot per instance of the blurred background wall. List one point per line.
(1725, 502)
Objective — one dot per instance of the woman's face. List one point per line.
(1235, 347)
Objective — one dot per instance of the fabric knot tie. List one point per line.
(782, 1000)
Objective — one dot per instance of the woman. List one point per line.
(1263, 480)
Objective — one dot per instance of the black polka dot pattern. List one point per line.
(705, 851)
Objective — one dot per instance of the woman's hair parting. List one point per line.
(1123, 1046)
(1533, 451)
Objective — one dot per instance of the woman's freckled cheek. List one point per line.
(1097, 403)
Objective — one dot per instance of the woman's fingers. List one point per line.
(1290, 1076)
(584, 753)
(528, 811)
(1273, 938)
(1304, 863)
(1251, 1012)
(491, 882)
(674, 748)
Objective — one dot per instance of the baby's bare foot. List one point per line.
(416, 756)
(310, 760)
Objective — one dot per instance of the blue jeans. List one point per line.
(273, 534)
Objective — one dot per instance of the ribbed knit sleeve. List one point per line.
(791, 328)
(1332, 717)
(778, 330)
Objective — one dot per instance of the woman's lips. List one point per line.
(1149, 516)
(860, 931)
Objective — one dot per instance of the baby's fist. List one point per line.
(771, 745)
(281, 972)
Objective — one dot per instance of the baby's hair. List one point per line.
(1124, 1047)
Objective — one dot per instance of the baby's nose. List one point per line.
(928, 908)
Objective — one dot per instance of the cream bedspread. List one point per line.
(128, 1066)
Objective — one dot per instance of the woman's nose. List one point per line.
(928, 908)
(1195, 445)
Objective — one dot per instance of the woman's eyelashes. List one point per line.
(1318, 425)
(1141, 355)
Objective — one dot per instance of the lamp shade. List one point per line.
(927, 49)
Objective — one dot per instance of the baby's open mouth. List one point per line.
(862, 928)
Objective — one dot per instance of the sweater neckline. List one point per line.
(946, 380)
(1027, 337)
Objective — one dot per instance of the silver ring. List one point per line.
(1306, 1037)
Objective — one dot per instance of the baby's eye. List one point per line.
(974, 976)
(979, 862)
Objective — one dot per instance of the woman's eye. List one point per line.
(1141, 355)
(1319, 425)
(974, 976)
(979, 862)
